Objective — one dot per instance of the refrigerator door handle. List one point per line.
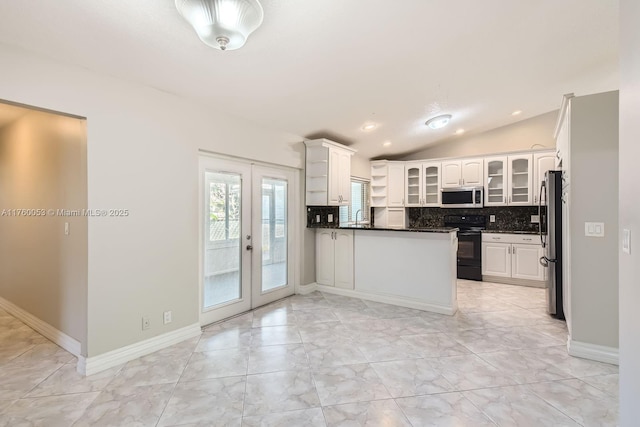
(540, 221)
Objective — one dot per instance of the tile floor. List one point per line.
(323, 359)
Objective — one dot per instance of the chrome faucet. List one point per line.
(357, 212)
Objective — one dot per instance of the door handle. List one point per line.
(249, 247)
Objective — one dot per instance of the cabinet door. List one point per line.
(395, 182)
(396, 218)
(520, 180)
(526, 262)
(431, 194)
(451, 173)
(413, 178)
(472, 172)
(325, 257)
(333, 180)
(344, 259)
(496, 259)
(495, 181)
(542, 162)
(344, 168)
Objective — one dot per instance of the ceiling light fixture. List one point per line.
(386, 144)
(459, 131)
(222, 24)
(369, 126)
(439, 121)
(516, 113)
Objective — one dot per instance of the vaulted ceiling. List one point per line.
(325, 67)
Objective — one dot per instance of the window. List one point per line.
(224, 207)
(359, 203)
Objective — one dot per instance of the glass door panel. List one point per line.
(496, 180)
(413, 186)
(272, 271)
(432, 185)
(520, 180)
(222, 275)
(225, 261)
(274, 233)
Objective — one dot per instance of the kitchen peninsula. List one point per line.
(414, 267)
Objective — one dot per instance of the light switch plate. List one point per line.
(492, 218)
(594, 229)
(330, 218)
(626, 241)
(317, 218)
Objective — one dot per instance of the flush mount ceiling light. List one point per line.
(369, 126)
(386, 144)
(516, 113)
(459, 131)
(439, 121)
(222, 24)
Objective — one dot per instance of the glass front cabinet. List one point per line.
(508, 180)
(422, 184)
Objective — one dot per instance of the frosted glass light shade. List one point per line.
(439, 121)
(222, 24)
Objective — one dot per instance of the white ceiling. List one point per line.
(324, 67)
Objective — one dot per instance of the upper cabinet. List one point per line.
(462, 173)
(387, 184)
(328, 173)
(508, 180)
(543, 161)
(422, 184)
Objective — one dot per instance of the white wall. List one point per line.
(593, 194)
(142, 155)
(535, 133)
(42, 270)
(629, 212)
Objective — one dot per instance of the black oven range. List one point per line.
(469, 244)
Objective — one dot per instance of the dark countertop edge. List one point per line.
(510, 232)
(415, 230)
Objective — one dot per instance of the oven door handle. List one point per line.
(468, 233)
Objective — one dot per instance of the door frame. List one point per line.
(295, 234)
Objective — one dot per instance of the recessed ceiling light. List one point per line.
(386, 143)
(439, 121)
(369, 126)
(459, 131)
(516, 113)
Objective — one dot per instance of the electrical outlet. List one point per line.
(492, 218)
(535, 219)
(330, 218)
(626, 241)
(167, 317)
(146, 323)
(317, 218)
(66, 228)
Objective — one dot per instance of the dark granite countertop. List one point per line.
(510, 232)
(417, 229)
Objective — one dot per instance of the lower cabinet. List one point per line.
(514, 256)
(334, 258)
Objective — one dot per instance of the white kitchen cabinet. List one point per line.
(543, 161)
(328, 173)
(422, 184)
(334, 258)
(512, 257)
(465, 172)
(379, 184)
(395, 182)
(508, 180)
(390, 217)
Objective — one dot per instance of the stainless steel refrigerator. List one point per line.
(551, 237)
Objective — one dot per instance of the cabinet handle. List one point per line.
(509, 199)
(535, 199)
(505, 200)
(509, 250)
(514, 250)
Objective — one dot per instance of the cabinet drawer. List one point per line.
(526, 239)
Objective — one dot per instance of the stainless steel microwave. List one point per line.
(463, 197)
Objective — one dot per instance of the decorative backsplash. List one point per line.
(508, 218)
(323, 212)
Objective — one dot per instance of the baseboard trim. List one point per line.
(595, 352)
(306, 289)
(518, 282)
(70, 344)
(390, 299)
(93, 365)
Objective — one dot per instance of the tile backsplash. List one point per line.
(508, 218)
(313, 212)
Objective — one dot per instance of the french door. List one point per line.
(247, 217)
